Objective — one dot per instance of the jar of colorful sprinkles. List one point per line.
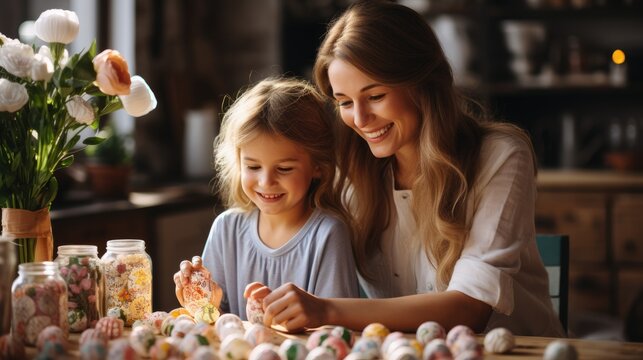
(39, 299)
(81, 269)
(128, 279)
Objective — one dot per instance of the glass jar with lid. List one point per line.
(128, 279)
(39, 299)
(81, 269)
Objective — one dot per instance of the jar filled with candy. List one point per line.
(39, 299)
(128, 279)
(81, 269)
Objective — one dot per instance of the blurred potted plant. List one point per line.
(109, 165)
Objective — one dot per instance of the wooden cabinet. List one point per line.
(627, 231)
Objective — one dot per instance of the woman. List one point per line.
(443, 201)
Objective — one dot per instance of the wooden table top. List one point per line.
(527, 347)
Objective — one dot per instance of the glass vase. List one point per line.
(31, 231)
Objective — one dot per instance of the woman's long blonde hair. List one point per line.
(286, 107)
(395, 46)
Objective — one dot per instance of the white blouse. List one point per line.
(500, 263)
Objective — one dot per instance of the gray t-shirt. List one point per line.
(318, 259)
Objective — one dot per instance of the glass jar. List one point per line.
(128, 279)
(39, 299)
(81, 269)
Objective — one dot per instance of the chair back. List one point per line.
(554, 251)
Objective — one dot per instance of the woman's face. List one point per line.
(384, 116)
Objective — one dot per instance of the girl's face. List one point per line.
(384, 116)
(276, 175)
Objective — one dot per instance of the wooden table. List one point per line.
(527, 347)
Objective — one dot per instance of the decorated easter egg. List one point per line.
(344, 333)
(51, 350)
(156, 320)
(264, 351)
(191, 342)
(187, 317)
(92, 334)
(337, 345)
(404, 353)
(389, 339)
(179, 311)
(320, 353)
(403, 342)
(293, 349)
(357, 356)
(117, 312)
(469, 355)
(207, 331)
(142, 339)
(428, 331)
(11, 347)
(93, 349)
(230, 329)
(436, 349)
(499, 341)
(168, 325)
(52, 334)
(226, 319)
(182, 327)
(456, 332)
(465, 343)
(258, 333)
(165, 348)
(207, 313)
(368, 347)
(560, 350)
(77, 319)
(254, 311)
(375, 330)
(34, 326)
(235, 347)
(120, 349)
(317, 338)
(204, 353)
(110, 326)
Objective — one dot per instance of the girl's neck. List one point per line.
(276, 230)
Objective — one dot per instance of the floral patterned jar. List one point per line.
(39, 299)
(128, 279)
(81, 269)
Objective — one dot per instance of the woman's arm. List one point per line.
(294, 309)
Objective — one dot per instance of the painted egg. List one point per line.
(560, 350)
(186, 317)
(207, 313)
(52, 334)
(436, 349)
(358, 356)
(404, 353)
(235, 347)
(320, 353)
(317, 338)
(344, 333)
(207, 331)
(182, 327)
(264, 351)
(77, 320)
(179, 311)
(117, 312)
(258, 333)
(142, 339)
(51, 350)
(93, 334)
(367, 347)
(456, 332)
(165, 348)
(254, 311)
(499, 341)
(376, 330)
(389, 339)
(93, 349)
(293, 349)
(191, 342)
(34, 326)
(226, 319)
(120, 349)
(403, 342)
(428, 331)
(204, 353)
(337, 345)
(156, 319)
(229, 330)
(110, 326)
(167, 325)
(465, 343)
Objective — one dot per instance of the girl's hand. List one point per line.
(182, 278)
(294, 309)
(256, 291)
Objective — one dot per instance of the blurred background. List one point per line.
(568, 71)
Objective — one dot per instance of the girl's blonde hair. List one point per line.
(395, 46)
(285, 107)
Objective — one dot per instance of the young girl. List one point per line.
(443, 200)
(275, 163)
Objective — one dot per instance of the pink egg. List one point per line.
(317, 338)
(458, 331)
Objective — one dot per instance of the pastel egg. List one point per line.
(254, 311)
(93, 349)
(181, 327)
(116, 312)
(179, 311)
(560, 350)
(264, 351)
(156, 319)
(204, 353)
(142, 339)
(235, 347)
(344, 333)
(499, 341)
(165, 348)
(456, 332)
(191, 342)
(225, 319)
(376, 330)
(465, 343)
(207, 331)
(389, 339)
(93, 334)
(207, 313)
(317, 338)
(52, 334)
(120, 349)
(358, 356)
(320, 353)
(168, 325)
(404, 353)
(436, 349)
(337, 345)
(428, 331)
(77, 319)
(367, 347)
(403, 342)
(230, 329)
(293, 349)
(257, 334)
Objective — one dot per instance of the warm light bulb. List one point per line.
(618, 56)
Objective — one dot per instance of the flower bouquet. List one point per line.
(47, 97)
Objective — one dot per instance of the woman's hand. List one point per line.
(182, 278)
(293, 308)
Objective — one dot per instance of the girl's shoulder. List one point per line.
(233, 216)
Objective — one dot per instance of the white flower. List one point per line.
(13, 96)
(7, 40)
(16, 58)
(57, 26)
(80, 110)
(140, 100)
(41, 68)
(45, 51)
